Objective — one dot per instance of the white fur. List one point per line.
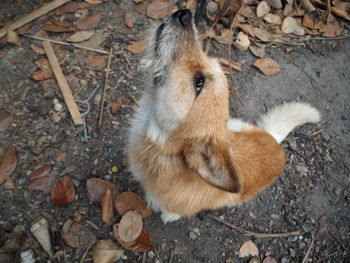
(238, 125)
(284, 118)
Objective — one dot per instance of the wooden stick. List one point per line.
(35, 14)
(305, 259)
(62, 83)
(67, 44)
(258, 235)
(104, 87)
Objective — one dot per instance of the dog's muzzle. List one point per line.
(182, 17)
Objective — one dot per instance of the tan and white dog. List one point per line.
(183, 147)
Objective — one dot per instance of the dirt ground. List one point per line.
(312, 195)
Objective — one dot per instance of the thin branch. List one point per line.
(305, 259)
(87, 250)
(104, 87)
(257, 235)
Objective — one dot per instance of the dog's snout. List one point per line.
(184, 16)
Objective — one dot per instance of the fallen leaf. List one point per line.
(105, 251)
(136, 47)
(70, 8)
(223, 38)
(127, 201)
(8, 163)
(42, 74)
(2, 53)
(116, 105)
(89, 22)
(128, 19)
(257, 51)
(97, 187)
(130, 226)
(94, 2)
(277, 4)
(97, 61)
(262, 9)
(80, 36)
(141, 8)
(288, 10)
(332, 29)
(95, 41)
(13, 38)
(24, 29)
(308, 22)
(262, 34)
(42, 63)
(290, 25)
(63, 191)
(41, 172)
(267, 66)
(269, 259)
(43, 182)
(5, 120)
(248, 249)
(38, 50)
(248, 12)
(107, 207)
(157, 10)
(242, 41)
(70, 168)
(78, 236)
(60, 23)
(142, 243)
(273, 19)
(58, 29)
(247, 28)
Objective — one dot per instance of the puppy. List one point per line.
(183, 147)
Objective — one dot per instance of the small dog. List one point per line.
(183, 148)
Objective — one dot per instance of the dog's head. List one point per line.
(190, 99)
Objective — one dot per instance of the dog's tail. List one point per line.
(284, 118)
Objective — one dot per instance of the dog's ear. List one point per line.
(213, 163)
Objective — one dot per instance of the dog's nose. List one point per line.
(184, 16)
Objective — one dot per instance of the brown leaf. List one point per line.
(41, 172)
(116, 105)
(63, 191)
(262, 34)
(158, 10)
(5, 120)
(136, 47)
(130, 226)
(38, 50)
(94, 2)
(13, 38)
(248, 12)
(247, 28)
(288, 10)
(2, 53)
(24, 29)
(58, 29)
(105, 251)
(42, 63)
(69, 169)
(308, 22)
(89, 22)
(257, 51)
(224, 36)
(141, 8)
(97, 61)
(262, 9)
(43, 183)
(42, 74)
(267, 66)
(107, 207)
(80, 36)
(95, 41)
(273, 19)
(128, 19)
(269, 259)
(97, 187)
(69, 7)
(127, 201)
(61, 24)
(78, 236)
(142, 243)
(332, 29)
(248, 249)
(8, 163)
(290, 25)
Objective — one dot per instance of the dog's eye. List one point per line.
(199, 80)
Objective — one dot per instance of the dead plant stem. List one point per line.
(306, 258)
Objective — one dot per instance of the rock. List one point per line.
(302, 169)
(150, 254)
(27, 257)
(292, 239)
(193, 236)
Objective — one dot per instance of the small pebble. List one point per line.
(193, 236)
(27, 257)
(150, 254)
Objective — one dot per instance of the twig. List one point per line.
(305, 259)
(328, 256)
(66, 44)
(144, 257)
(250, 233)
(330, 38)
(87, 250)
(33, 15)
(104, 87)
(134, 100)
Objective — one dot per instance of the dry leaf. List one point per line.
(71, 168)
(269, 259)
(42, 74)
(223, 38)
(267, 66)
(136, 47)
(247, 28)
(43, 182)
(5, 120)
(290, 25)
(41, 172)
(288, 10)
(8, 162)
(332, 29)
(9, 184)
(97, 187)
(242, 42)
(128, 19)
(97, 61)
(262, 9)
(24, 28)
(257, 51)
(262, 34)
(58, 29)
(38, 50)
(248, 12)
(94, 2)
(141, 8)
(273, 19)
(89, 22)
(248, 249)
(127, 201)
(105, 251)
(130, 226)
(116, 105)
(2, 53)
(13, 38)
(63, 192)
(95, 41)
(69, 7)
(107, 207)
(277, 4)
(80, 36)
(158, 10)
(308, 22)
(42, 63)
(77, 235)
(142, 243)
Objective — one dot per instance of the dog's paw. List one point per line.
(169, 217)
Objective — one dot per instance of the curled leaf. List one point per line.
(262, 9)
(116, 105)
(89, 22)
(97, 61)
(107, 207)
(97, 187)
(128, 19)
(248, 249)
(130, 226)
(127, 201)
(106, 251)
(267, 66)
(142, 243)
(8, 163)
(63, 191)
